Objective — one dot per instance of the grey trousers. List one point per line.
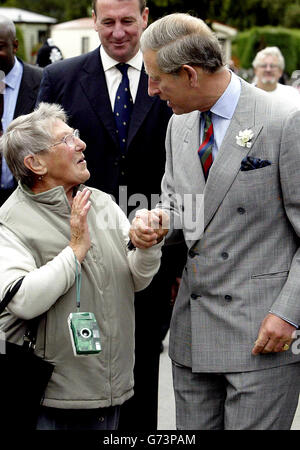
(78, 419)
(256, 400)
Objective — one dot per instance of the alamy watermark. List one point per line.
(295, 347)
(185, 211)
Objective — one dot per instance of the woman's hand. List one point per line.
(148, 227)
(80, 237)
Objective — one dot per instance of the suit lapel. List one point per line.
(93, 83)
(142, 106)
(228, 161)
(27, 93)
(191, 166)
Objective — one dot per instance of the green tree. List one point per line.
(242, 14)
(75, 10)
(292, 16)
(61, 10)
(52, 8)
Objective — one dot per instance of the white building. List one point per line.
(225, 35)
(75, 37)
(35, 28)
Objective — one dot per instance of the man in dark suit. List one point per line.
(86, 86)
(19, 95)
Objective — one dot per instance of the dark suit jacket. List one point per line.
(26, 100)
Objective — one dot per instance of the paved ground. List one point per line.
(166, 403)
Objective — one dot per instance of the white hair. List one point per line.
(273, 51)
(182, 39)
(29, 134)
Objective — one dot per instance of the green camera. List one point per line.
(85, 333)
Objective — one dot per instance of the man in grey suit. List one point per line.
(238, 305)
(86, 86)
(22, 82)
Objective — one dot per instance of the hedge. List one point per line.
(248, 43)
(21, 49)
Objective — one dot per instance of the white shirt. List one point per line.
(113, 76)
(287, 93)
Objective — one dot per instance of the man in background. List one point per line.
(268, 68)
(19, 94)
(48, 53)
(104, 93)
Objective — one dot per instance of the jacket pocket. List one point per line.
(262, 276)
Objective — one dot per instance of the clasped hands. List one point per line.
(149, 227)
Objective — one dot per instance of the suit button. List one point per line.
(225, 255)
(228, 298)
(241, 210)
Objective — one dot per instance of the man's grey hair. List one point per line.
(273, 51)
(29, 134)
(5, 22)
(182, 39)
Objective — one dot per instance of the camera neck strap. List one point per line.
(78, 284)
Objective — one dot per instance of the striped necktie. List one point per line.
(205, 149)
(123, 106)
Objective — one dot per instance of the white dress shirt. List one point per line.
(222, 112)
(113, 76)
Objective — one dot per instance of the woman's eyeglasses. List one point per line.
(69, 140)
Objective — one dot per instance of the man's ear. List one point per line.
(15, 46)
(35, 164)
(145, 17)
(94, 17)
(191, 73)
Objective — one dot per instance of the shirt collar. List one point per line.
(136, 62)
(13, 77)
(226, 104)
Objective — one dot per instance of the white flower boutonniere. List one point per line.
(244, 138)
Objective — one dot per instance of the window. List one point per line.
(85, 44)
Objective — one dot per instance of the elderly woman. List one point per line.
(50, 226)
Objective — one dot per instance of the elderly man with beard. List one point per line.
(269, 66)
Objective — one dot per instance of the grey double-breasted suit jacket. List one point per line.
(245, 262)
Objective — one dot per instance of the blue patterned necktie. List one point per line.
(123, 106)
